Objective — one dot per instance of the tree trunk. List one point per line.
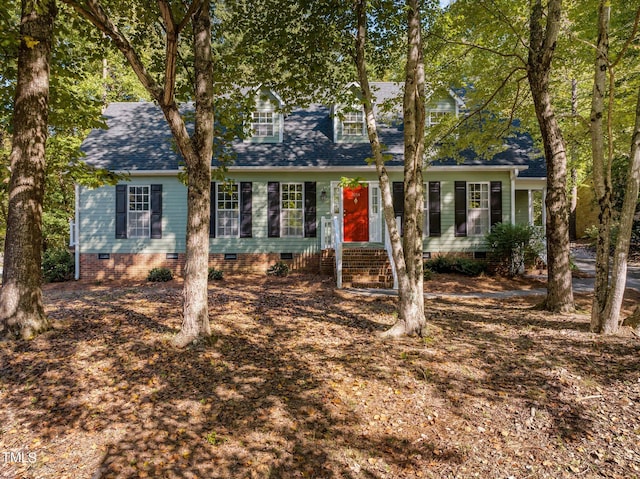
(601, 180)
(542, 45)
(407, 254)
(197, 151)
(21, 309)
(196, 304)
(411, 315)
(573, 202)
(611, 318)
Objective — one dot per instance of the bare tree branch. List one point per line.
(96, 15)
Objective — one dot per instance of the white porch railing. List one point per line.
(387, 246)
(337, 247)
(326, 233)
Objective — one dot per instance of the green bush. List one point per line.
(160, 275)
(215, 274)
(58, 264)
(427, 274)
(456, 265)
(512, 246)
(279, 269)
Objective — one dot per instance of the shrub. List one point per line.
(279, 269)
(457, 265)
(160, 275)
(427, 274)
(513, 245)
(58, 265)
(469, 267)
(215, 274)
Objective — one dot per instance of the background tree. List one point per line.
(21, 309)
(505, 51)
(191, 20)
(406, 251)
(183, 70)
(609, 290)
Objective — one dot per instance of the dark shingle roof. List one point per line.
(138, 139)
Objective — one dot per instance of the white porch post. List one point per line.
(76, 275)
(337, 244)
(513, 175)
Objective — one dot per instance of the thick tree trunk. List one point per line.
(601, 180)
(611, 318)
(197, 151)
(411, 314)
(407, 255)
(543, 42)
(196, 304)
(21, 309)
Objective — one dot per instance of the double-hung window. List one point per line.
(352, 123)
(262, 123)
(139, 214)
(436, 116)
(228, 205)
(477, 209)
(292, 207)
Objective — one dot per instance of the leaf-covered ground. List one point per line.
(296, 384)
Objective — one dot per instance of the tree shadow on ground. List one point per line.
(295, 384)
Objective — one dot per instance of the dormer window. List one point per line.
(262, 123)
(266, 123)
(353, 122)
(436, 116)
(348, 125)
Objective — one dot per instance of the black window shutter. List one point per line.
(434, 209)
(496, 202)
(212, 211)
(310, 209)
(156, 211)
(246, 214)
(460, 201)
(273, 200)
(121, 211)
(398, 202)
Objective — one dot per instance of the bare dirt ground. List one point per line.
(296, 384)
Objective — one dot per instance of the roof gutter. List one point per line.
(280, 169)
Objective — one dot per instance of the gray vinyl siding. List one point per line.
(97, 216)
(448, 242)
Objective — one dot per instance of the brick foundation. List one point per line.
(130, 266)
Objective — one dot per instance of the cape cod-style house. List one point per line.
(283, 199)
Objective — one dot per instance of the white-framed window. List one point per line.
(139, 212)
(336, 197)
(477, 209)
(352, 123)
(228, 210)
(436, 116)
(292, 210)
(262, 123)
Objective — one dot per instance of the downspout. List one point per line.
(77, 233)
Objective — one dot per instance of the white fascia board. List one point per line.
(372, 167)
(337, 168)
(148, 172)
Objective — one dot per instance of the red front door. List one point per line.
(355, 205)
